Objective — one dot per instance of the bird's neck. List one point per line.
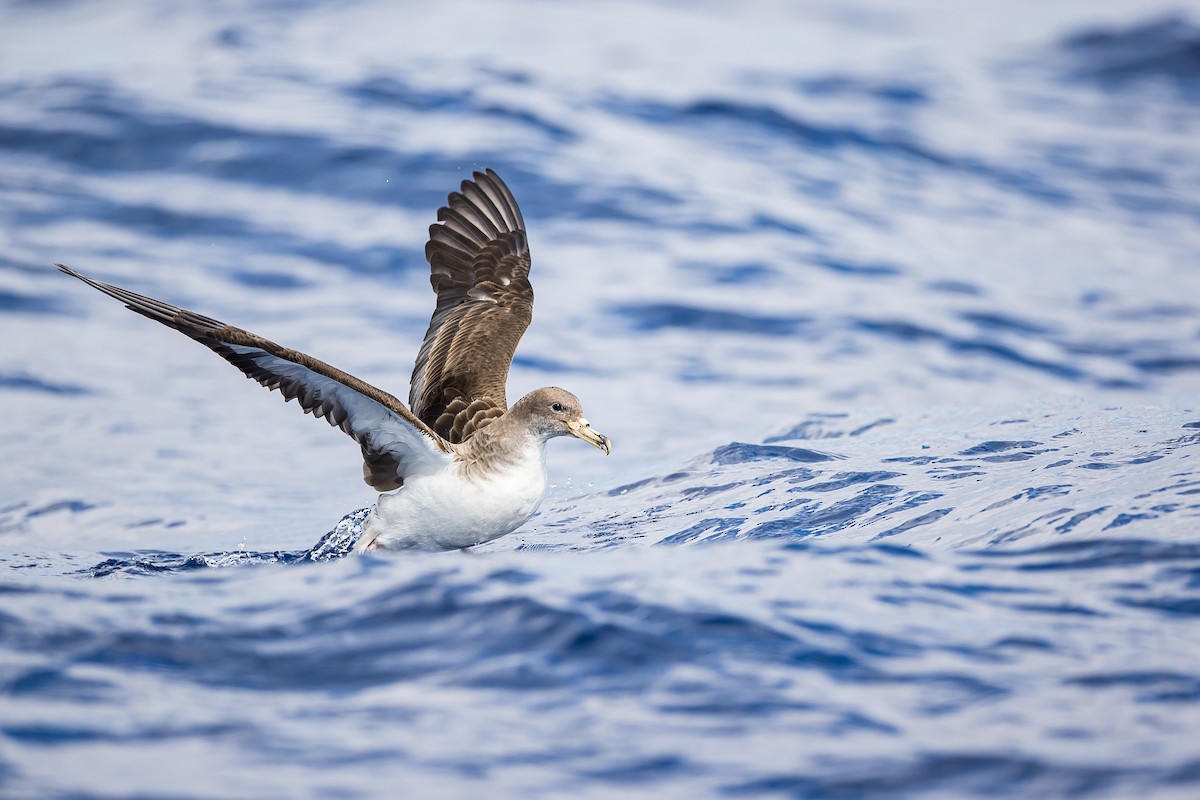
(504, 442)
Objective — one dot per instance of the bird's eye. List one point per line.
(558, 407)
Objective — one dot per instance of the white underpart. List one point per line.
(452, 508)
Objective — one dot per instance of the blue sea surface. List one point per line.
(892, 312)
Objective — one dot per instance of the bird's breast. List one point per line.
(458, 507)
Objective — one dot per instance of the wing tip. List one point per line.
(63, 268)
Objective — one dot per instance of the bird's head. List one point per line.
(556, 412)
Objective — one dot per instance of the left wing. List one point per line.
(394, 442)
(479, 267)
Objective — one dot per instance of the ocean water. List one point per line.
(892, 312)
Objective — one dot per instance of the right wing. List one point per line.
(479, 268)
(394, 442)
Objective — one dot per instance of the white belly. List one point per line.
(447, 510)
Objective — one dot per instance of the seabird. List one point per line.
(457, 467)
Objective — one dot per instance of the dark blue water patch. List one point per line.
(168, 223)
(978, 590)
(911, 332)
(767, 222)
(956, 473)
(629, 487)
(694, 492)
(815, 519)
(55, 684)
(919, 461)
(1122, 351)
(1003, 352)
(1124, 518)
(739, 274)
(389, 91)
(717, 634)
(987, 448)
(1151, 687)
(542, 197)
(904, 94)
(742, 453)
(1032, 493)
(11, 264)
(819, 429)
(1079, 517)
(819, 426)
(599, 641)
(873, 270)
(843, 479)
(870, 426)
(29, 383)
(1024, 455)
(553, 365)
(1090, 554)
(572, 647)
(1075, 157)
(956, 287)
(51, 734)
(879, 645)
(780, 126)
(945, 774)
(900, 330)
(1098, 465)
(1156, 311)
(643, 770)
(1006, 323)
(898, 551)
(909, 502)
(928, 518)
(791, 476)
(278, 281)
(1168, 365)
(135, 138)
(1167, 48)
(246, 237)
(1188, 607)
(660, 316)
(17, 303)
(710, 530)
(1185, 774)
(1143, 192)
(59, 506)
(1061, 608)
(1153, 205)
(233, 37)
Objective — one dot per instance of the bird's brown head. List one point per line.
(556, 412)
